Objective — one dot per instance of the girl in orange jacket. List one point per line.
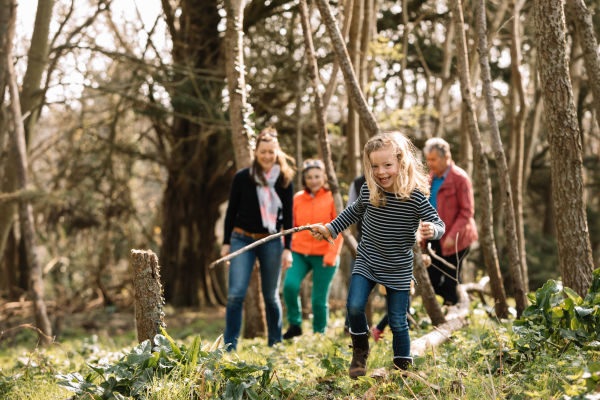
(312, 205)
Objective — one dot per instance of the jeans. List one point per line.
(240, 269)
(442, 283)
(321, 277)
(397, 303)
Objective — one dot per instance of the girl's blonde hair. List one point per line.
(286, 163)
(411, 171)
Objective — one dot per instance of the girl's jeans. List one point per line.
(321, 277)
(240, 269)
(397, 303)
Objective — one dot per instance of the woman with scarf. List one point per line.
(260, 204)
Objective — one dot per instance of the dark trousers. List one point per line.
(443, 284)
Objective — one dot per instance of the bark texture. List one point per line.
(518, 113)
(25, 209)
(199, 153)
(496, 283)
(37, 62)
(313, 71)
(254, 309)
(148, 298)
(236, 82)
(572, 235)
(426, 290)
(367, 118)
(589, 45)
(484, 200)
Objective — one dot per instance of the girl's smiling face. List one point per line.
(385, 167)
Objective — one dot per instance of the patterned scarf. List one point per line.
(268, 200)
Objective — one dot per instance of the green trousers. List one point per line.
(321, 276)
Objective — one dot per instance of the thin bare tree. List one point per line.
(367, 118)
(25, 209)
(484, 200)
(313, 73)
(353, 125)
(503, 172)
(254, 310)
(31, 102)
(572, 234)
(589, 44)
(518, 113)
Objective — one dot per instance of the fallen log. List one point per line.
(455, 319)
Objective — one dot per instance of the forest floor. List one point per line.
(97, 352)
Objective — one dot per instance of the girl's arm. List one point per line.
(432, 227)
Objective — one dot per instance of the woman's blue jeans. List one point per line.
(240, 269)
(397, 303)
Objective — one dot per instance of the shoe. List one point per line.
(403, 363)
(360, 353)
(377, 334)
(293, 331)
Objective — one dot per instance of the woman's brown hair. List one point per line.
(285, 162)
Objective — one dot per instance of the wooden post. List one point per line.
(148, 294)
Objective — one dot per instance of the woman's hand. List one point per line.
(225, 250)
(286, 259)
(426, 230)
(319, 232)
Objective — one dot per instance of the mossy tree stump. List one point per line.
(148, 294)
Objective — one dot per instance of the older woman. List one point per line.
(312, 205)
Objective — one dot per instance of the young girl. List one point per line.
(311, 205)
(392, 205)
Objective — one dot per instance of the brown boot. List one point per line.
(403, 363)
(360, 353)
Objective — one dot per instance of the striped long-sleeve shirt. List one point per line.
(384, 253)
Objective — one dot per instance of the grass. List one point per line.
(478, 362)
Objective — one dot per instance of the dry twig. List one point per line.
(261, 241)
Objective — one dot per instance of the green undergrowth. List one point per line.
(552, 352)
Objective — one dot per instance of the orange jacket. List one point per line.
(313, 210)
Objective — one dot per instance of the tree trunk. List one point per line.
(37, 62)
(518, 112)
(25, 209)
(572, 234)
(589, 45)
(426, 290)
(367, 118)
(484, 200)
(369, 22)
(236, 83)
(440, 99)
(313, 72)
(505, 192)
(254, 310)
(353, 125)
(331, 85)
(8, 181)
(147, 292)
(31, 99)
(199, 165)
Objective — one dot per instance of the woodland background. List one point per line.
(128, 144)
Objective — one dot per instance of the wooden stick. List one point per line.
(261, 241)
